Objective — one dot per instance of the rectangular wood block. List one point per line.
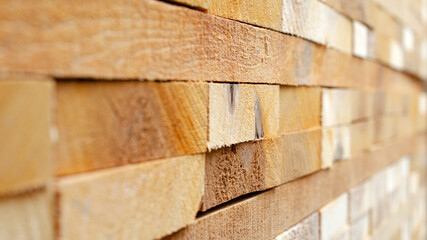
(360, 229)
(336, 144)
(360, 39)
(334, 217)
(361, 136)
(264, 13)
(254, 166)
(105, 124)
(300, 108)
(360, 200)
(307, 229)
(242, 112)
(145, 201)
(362, 104)
(240, 169)
(25, 121)
(336, 106)
(27, 216)
(314, 20)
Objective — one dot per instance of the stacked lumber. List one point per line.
(202, 119)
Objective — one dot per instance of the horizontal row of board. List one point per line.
(388, 32)
(95, 125)
(176, 43)
(157, 198)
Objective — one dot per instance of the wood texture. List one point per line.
(292, 202)
(313, 20)
(335, 106)
(27, 216)
(210, 48)
(105, 124)
(255, 166)
(25, 122)
(242, 112)
(360, 200)
(334, 217)
(300, 108)
(147, 200)
(264, 13)
(360, 230)
(307, 229)
(336, 144)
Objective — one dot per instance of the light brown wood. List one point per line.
(360, 229)
(255, 166)
(361, 136)
(25, 122)
(27, 216)
(294, 201)
(300, 108)
(105, 124)
(336, 144)
(147, 200)
(242, 112)
(264, 13)
(360, 200)
(307, 229)
(313, 20)
(336, 106)
(334, 218)
(198, 4)
(210, 48)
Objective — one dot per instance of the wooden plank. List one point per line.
(336, 144)
(313, 20)
(25, 144)
(360, 200)
(264, 13)
(336, 106)
(291, 202)
(360, 230)
(184, 44)
(242, 112)
(359, 10)
(255, 166)
(105, 124)
(334, 217)
(27, 216)
(146, 200)
(362, 40)
(307, 229)
(361, 136)
(300, 108)
(198, 4)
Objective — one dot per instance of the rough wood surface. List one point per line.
(27, 216)
(313, 20)
(307, 229)
(105, 124)
(294, 201)
(242, 112)
(300, 108)
(255, 166)
(147, 200)
(184, 44)
(25, 145)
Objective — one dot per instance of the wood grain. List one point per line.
(336, 144)
(294, 201)
(336, 106)
(300, 108)
(313, 20)
(255, 166)
(184, 44)
(147, 200)
(25, 122)
(242, 112)
(27, 216)
(105, 124)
